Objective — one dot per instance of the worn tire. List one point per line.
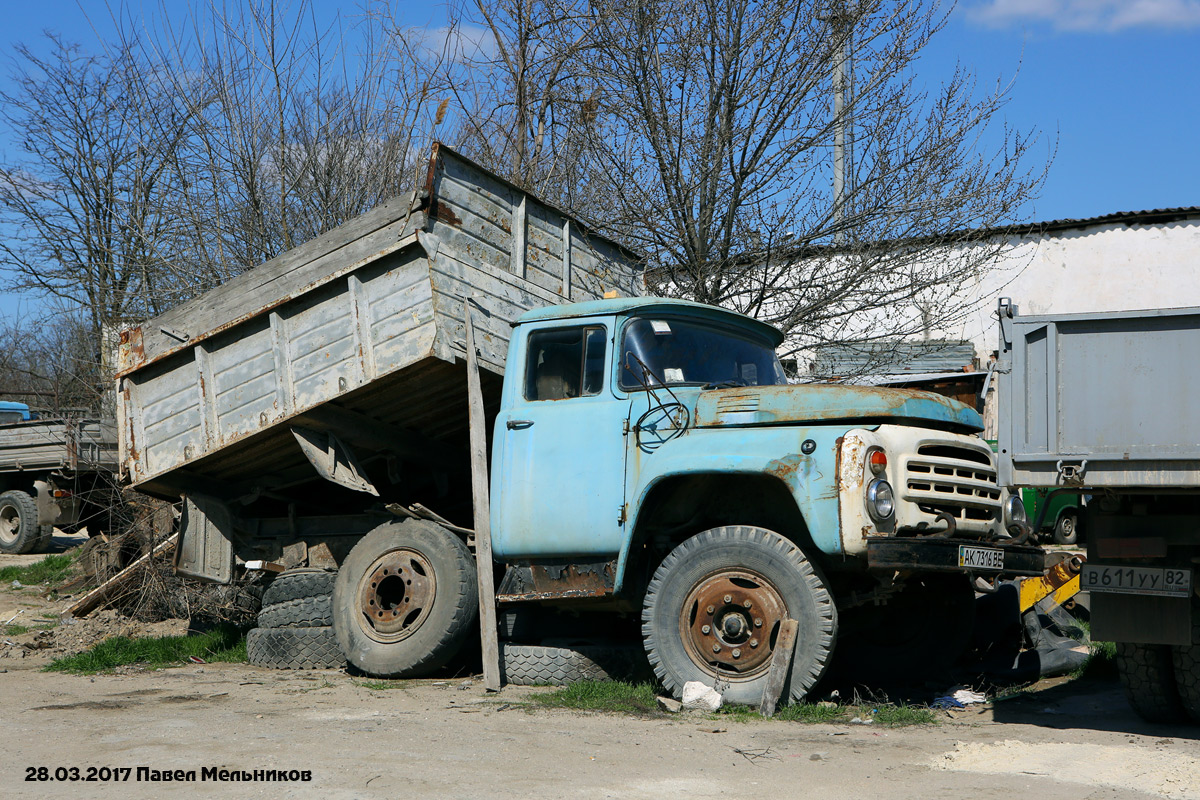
(1066, 529)
(762, 568)
(299, 584)
(1149, 678)
(294, 648)
(304, 612)
(536, 665)
(1186, 662)
(405, 599)
(19, 530)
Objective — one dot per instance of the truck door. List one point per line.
(559, 484)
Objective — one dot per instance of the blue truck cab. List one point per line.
(651, 457)
(11, 412)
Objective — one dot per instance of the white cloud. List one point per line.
(1088, 15)
(460, 43)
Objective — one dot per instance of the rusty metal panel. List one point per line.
(168, 410)
(244, 382)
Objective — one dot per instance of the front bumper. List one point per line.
(927, 554)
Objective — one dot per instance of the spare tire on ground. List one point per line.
(540, 665)
(303, 612)
(296, 584)
(294, 648)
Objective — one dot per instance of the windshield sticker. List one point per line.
(672, 375)
(750, 374)
(660, 328)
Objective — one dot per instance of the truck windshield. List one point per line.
(680, 353)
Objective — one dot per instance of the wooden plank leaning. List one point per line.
(105, 591)
(483, 529)
(781, 665)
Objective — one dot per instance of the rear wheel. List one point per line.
(19, 530)
(1149, 678)
(714, 608)
(1186, 662)
(405, 599)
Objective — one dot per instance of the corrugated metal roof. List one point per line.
(1156, 216)
(893, 358)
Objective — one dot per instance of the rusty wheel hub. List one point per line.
(396, 594)
(729, 623)
(10, 523)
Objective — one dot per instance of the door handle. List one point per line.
(519, 424)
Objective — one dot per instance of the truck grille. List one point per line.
(960, 481)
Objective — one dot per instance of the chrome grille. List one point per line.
(960, 481)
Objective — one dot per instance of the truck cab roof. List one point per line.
(645, 306)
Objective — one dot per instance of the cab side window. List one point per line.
(562, 363)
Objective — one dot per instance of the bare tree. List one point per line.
(293, 135)
(516, 87)
(83, 198)
(717, 133)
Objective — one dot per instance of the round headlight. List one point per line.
(881, 503)
(1014, 510)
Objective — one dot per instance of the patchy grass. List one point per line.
(54, 568)
(884, 714)
(382, 686)
(1101, 662)
(639, 698)
(901, 715)
(224, 643)
(612, 696)
(16, 630)
(813, 712)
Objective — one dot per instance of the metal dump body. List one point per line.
(1101, 400)
(84, 445)
(359, 332)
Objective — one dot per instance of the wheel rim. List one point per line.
(729, 624)
(10, 524)
(395, 595)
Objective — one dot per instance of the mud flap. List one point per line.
(205, 550)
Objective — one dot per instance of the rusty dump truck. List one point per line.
(657, 486)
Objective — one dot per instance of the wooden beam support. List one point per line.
(483, 528)
(781, 666)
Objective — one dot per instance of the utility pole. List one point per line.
(840, 19)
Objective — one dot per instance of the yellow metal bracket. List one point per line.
(1060, 581)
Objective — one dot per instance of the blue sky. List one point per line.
(1117, 82)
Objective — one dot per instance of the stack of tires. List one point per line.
(295, 624)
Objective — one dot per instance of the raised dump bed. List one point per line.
(359, 333)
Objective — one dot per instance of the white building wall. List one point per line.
(1096, 268)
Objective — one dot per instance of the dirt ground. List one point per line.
(448, 738)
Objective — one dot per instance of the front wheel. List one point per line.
(405, 599)
(714, 608)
